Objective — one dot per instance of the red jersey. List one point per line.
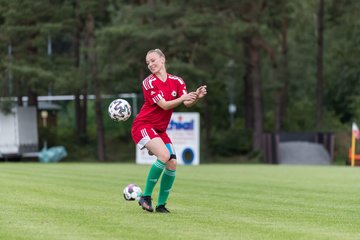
(154, 89)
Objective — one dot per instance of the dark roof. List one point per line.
(48, 106)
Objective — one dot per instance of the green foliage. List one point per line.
(6, 106)
(27, 27)
(119, 145)
(342, 61)
(203, 43)
(298, 116)
(233, 141)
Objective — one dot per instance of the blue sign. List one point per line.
(181, 125)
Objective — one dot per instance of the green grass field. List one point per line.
(84, 201)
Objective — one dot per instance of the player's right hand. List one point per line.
(192, 96)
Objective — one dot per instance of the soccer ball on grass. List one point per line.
(132, 192)
(119, 110)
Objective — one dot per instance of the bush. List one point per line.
(6, 106)
(234, 141)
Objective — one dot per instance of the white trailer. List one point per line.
(19, 133)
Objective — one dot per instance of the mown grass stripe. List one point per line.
(84, 201)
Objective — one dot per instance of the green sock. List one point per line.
(166, 183)
(153, 176)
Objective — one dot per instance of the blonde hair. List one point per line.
(158, 51)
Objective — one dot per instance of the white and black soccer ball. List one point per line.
(132, 192)
(119, 110)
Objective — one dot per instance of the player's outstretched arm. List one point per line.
(166, 105)
(200, 93)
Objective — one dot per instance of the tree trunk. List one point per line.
(207, 127)
(253, 99)
(32, 98)
(19, 93)
(281, 98)
(319, 62)
(285, 76)
(90, 44)
(81, 116)
(257, 100)
(248, 86)
(80, 104)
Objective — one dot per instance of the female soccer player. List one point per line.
(162, 93)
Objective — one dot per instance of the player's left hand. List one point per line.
(201, 91)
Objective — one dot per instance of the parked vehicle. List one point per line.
(19, 133)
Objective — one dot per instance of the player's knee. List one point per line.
(171, 164)
(164, 157)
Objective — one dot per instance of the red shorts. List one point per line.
(142, 135)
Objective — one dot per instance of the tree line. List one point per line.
(270, 66)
